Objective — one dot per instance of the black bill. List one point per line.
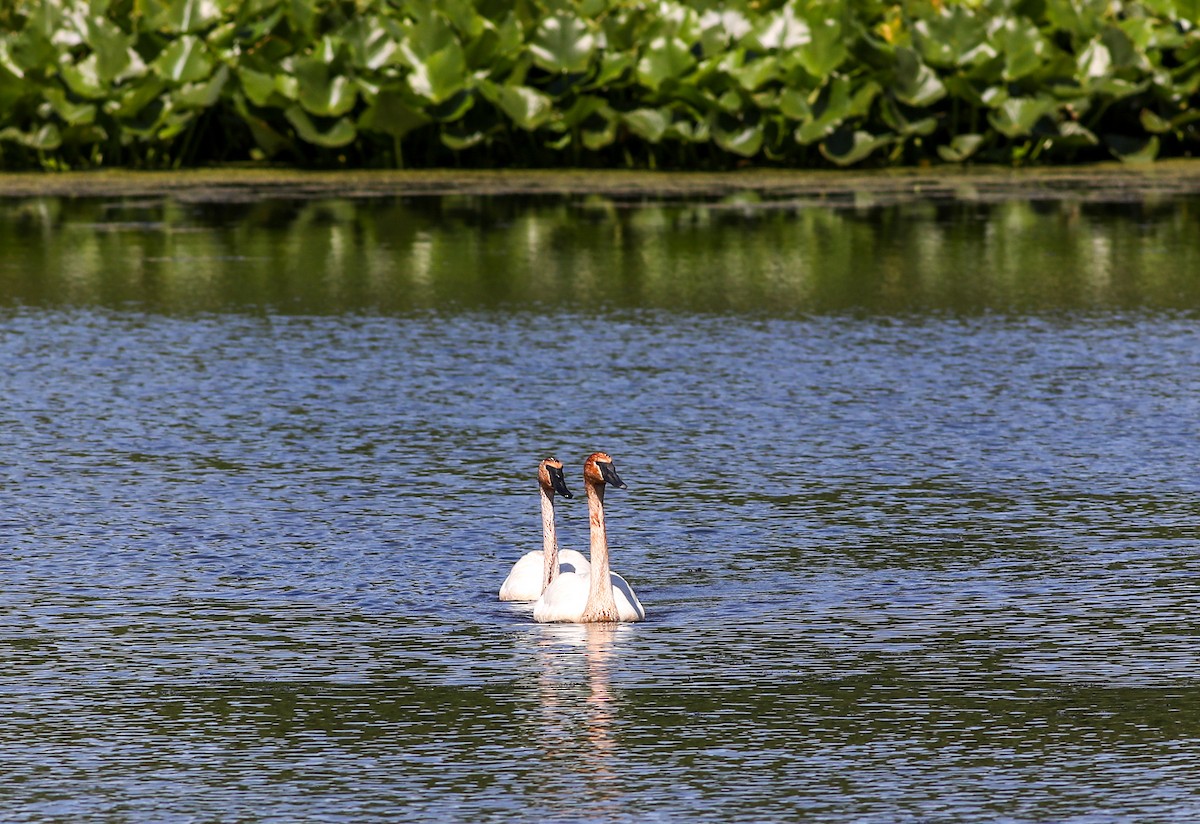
(609, 472)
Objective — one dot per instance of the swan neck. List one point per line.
(549, 540)
(601, 605)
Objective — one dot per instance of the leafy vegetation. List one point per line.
(709, 83)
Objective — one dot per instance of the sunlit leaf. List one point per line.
(915, 83)
(441, 76)
(961, 148)
(323, 92)
(664, 59)
(186, 16)
(185, 60)
(648, 124)
(459, 139)
(845, 148)
(741, 139)
(69, 111)
(341, 133)
(826, 51)
(563, 43)
(1018, 115)
(206, 93)
(528, 108)
(45, 138)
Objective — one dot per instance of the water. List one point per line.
(912, 508)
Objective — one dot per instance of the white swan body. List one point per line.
(534, 571)
(525, 579)
(598, 595)
(566, 599)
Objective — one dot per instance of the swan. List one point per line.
(596, 595)
(535, 570)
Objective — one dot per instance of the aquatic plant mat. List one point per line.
(767, 188)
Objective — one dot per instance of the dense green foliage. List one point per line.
(594, 82)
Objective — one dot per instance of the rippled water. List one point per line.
(912, 508)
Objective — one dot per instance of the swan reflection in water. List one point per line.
(578, 713)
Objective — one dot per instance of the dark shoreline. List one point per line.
(1100, 183)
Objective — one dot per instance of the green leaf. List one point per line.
(1094, 61)
(961, 148)
(950, 38)
(371, 43)
(1152, 123)
(392, 114)
(827, 49)
(563, 43)
(648, 124)
(664, 59)
(322, 92)
(845, 148)
(441, 76)
(1021, 45)
(258, 87)
(185, 16)
(834, 104)
(69, 111)
(528, 108)
(185, 60)
(111, 46)
(1071, 133)
(339, 134)
(914, 83)
(47, 138)
(1132, 149)
(781, 30)
(1018, 115)
(750, 74)
(206, 93)
(740, 139)
(83, 78)
(459, 139)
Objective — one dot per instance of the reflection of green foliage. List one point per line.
(594, 82)
(742, 254)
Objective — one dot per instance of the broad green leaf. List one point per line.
(832, 105)
(452, 109)
(664, 59)
(845, 148)
(371, 43)
(599, 130)
(111, 47)
(950, 38)
(185, 60)
(441, 76)
(206, 93)
(1094, 61)
(961, 148)
(742, 139)
(46, 138)
(259, 87)
(322, 92)
(83, 78)
(341, 133)
(914, 83)
(1152, 123)
(528, 108)
(70, 112)
(1132, 149)
(130, 103)
(794, 104)
(648, 124)
(904, 123)
(1018, 115)
(781, 30)
(393, 114)
(584, 107)
(1020, 44)
(458, 139)
(1072, 133)
(750, 74)
(563, 43)
(826, 51)
(187, 16)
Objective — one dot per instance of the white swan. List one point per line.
(535, 570)
(598, 595)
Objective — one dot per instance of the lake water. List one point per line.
(913, 507)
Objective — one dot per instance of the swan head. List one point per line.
(550, 476)
(599, 469)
